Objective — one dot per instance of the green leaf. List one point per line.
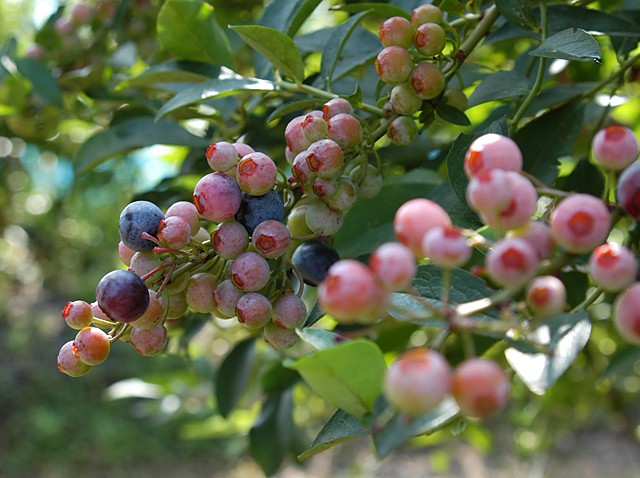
(315, 315)
(349, 375)
(288, 15)
(371, 220)
(277, 378)
(586, 178)
(402, 428)
(333, 49)
(271, 435)
(277, 47)
(562, 17)
(502, 85)
(173, 71)
(518, 12)
(44, 84)
(233, 375)
(188, 30)
(211, 89)
(453, 7)
(452, 115)
(320, 339)
(290, 107)
(571, 44)
(549, 137)
(341, 427)
(566, 335)
(459, 212)
(131, 134)
(380, 9)
(622, 362)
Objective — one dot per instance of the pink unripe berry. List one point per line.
(257, 174)
(404, 100)
(226, 297)
(253, 310)
(394, 65)
(217, 197)
(154, 314)
(336, 106)
(344, 196)
(480, 387)
(394, 265)
(430, 39)
(426, 13)
(417, 381)
(69, 364)
(176, 305)
(626, 314)
(91, 345)
(296, 142)
(324, 158)
(511, 261)
(174, 232)
(81, 14)
(491, 151)
(402, 131)
(396, 31)
(77, 314)
(580, 222)
(289, 311)
(446, 246)
(34, 51)
(230, 239)
(324, 187)
(349, 291)
(271, 238)
(149, 341)
(628, 190)
(519, 210)
(279, 338)
(243, 149)
(489, 191)
(222, 156)
(546, 296)
(345, 130)
(612, 266)
(301, 171)
(249, 271)
(314, 127)
(199, 292)
(143, 262)
(414, 218)
(538, 234)
(427, 80)
(615, 147)
(187, 211)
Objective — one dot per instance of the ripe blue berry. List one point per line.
(256, 209)
(313, 259)
(136, 218)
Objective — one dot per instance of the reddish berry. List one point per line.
(187, 211)
(394, 65)
(222, 156)
(336, 106)
(77, 314)
(580, 222)
(417, 381)
(324, 158)
(626, 314)
(615, 147)
(546, 296)
(257, 174)
(230, 239)
(396, 31)
(279, 338)
(430, 39)
(296, 142)
(394, 265)
(176, 305)
(243, 149)
(253, 310)
(489, 191)
(289, 311)
(427, 80)
(491, 151)
(122, 295)
(414, 218)
(314, 127)
(70, 364)
(519, 210)
(402, 131)
(143, 262)
(480, 387)
(511, 261)
(426, 13)
(154, 314)
(149, 341)
(538, 234)
(226, 297)
(446, 246)
(217, 197)
(628, 190)
(301, 171)
(404, 100)
(199, 293)
(91, 345)
(249, 271)
(612, 266)
(174, 232)
(125, 253)
(344, 196)
(271, 239)
(345, 130)
(82, 14)
(98, 313)
(324, 187)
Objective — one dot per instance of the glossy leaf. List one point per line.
(288, 15)
(518, 12)
(131, 134)
(233, 375)
(211, 89)
(188, 30)
(565, 335)
(341, 427)
(402, 428)
(276, 47)
(384, 10)
(562, 17)
(333, 49)
(502, 85)
(315, 315)
(585, 178)
(173, 71)
(320, 339)
(571, 44)
(349, 375)
(452, 115)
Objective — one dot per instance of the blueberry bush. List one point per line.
(417, 213)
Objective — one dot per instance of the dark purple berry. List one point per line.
(136, 218)
(122, 295)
